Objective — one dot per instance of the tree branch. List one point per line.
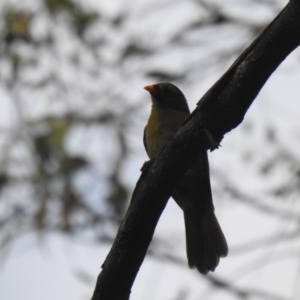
(221, 109)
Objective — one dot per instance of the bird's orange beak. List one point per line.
(149, 88)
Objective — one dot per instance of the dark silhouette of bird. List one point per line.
(205, 241)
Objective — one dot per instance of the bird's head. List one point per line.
(168, 96)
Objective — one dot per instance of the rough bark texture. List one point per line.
(221, 109)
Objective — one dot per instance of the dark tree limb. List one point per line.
(221, 109)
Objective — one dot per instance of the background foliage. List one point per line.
(73, 112)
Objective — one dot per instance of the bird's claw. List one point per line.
(214, 143)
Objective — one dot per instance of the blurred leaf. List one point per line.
(55, 6)
(73, 164)
(43, 147)
(164, 76)
(17, 25)
(83, 20)
(134, 50)
(58, 129)
(49, 146)
(119, 19)
(4, 179)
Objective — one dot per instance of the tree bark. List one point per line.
(220, 110)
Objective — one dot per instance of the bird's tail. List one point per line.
(205, 241)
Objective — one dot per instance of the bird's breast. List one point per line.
(160, 127)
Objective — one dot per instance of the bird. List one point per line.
(205, 241)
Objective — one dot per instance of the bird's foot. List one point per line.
(213, 141)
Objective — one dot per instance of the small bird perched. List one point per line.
(205, 241)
